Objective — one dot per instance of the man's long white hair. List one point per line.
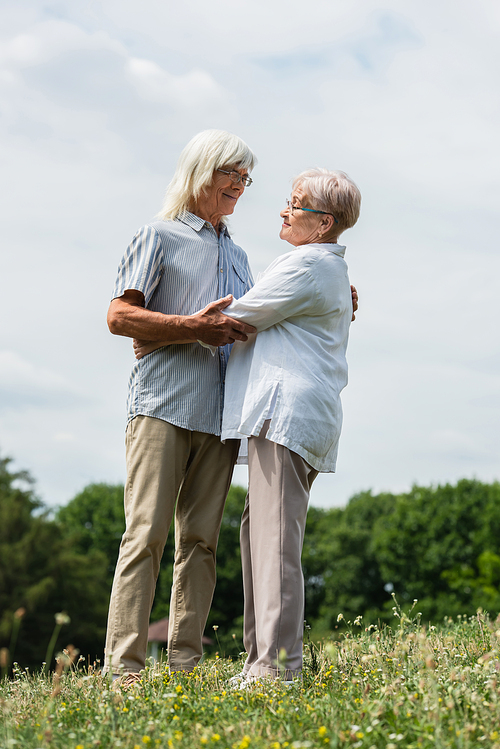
(204, 154)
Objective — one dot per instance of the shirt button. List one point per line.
(221, 270)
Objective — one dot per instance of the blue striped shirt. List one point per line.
(181, 266)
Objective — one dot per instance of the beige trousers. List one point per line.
(272, 535)
(168, 468)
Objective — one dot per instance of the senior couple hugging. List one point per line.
(221, 361)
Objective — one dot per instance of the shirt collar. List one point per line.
(337, 249)
(197, 223)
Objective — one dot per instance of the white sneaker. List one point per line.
(248, 682)
(235, 681)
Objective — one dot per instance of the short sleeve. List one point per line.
(141, 266)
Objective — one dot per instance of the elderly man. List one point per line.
(175, 460)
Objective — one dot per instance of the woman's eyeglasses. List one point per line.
(293, 208)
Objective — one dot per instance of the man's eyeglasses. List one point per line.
(237, 178)
(293, 208)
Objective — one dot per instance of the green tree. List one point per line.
(342, 573)
(440, 545)
(41, 572)
(95, 521)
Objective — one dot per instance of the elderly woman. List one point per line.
(283, 392)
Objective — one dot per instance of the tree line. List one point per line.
(438, 544)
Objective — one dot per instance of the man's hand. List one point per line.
(210, 325)
(128, 317)
(355, 301)
(214, 327)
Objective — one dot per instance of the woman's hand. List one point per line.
(355, 301)
(141, 348)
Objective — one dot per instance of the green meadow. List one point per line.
(409, 686)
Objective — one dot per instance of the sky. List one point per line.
(97, 99)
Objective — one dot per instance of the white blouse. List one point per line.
(294, 368)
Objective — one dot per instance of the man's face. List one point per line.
(221, 195)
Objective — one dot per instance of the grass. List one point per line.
(396, 688)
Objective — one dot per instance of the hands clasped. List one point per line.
(216, 328)
(210, 325)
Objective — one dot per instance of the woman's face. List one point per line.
(300, 227)
(220, 196)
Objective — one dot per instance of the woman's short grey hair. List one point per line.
(332, 192)
(204, 154)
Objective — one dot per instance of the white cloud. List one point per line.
(49, 40)
(24, 383)
(451, 443)
(15, 371)
(85, 87)
(194, 89)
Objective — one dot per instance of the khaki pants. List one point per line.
(168, 468)
(272, 535)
